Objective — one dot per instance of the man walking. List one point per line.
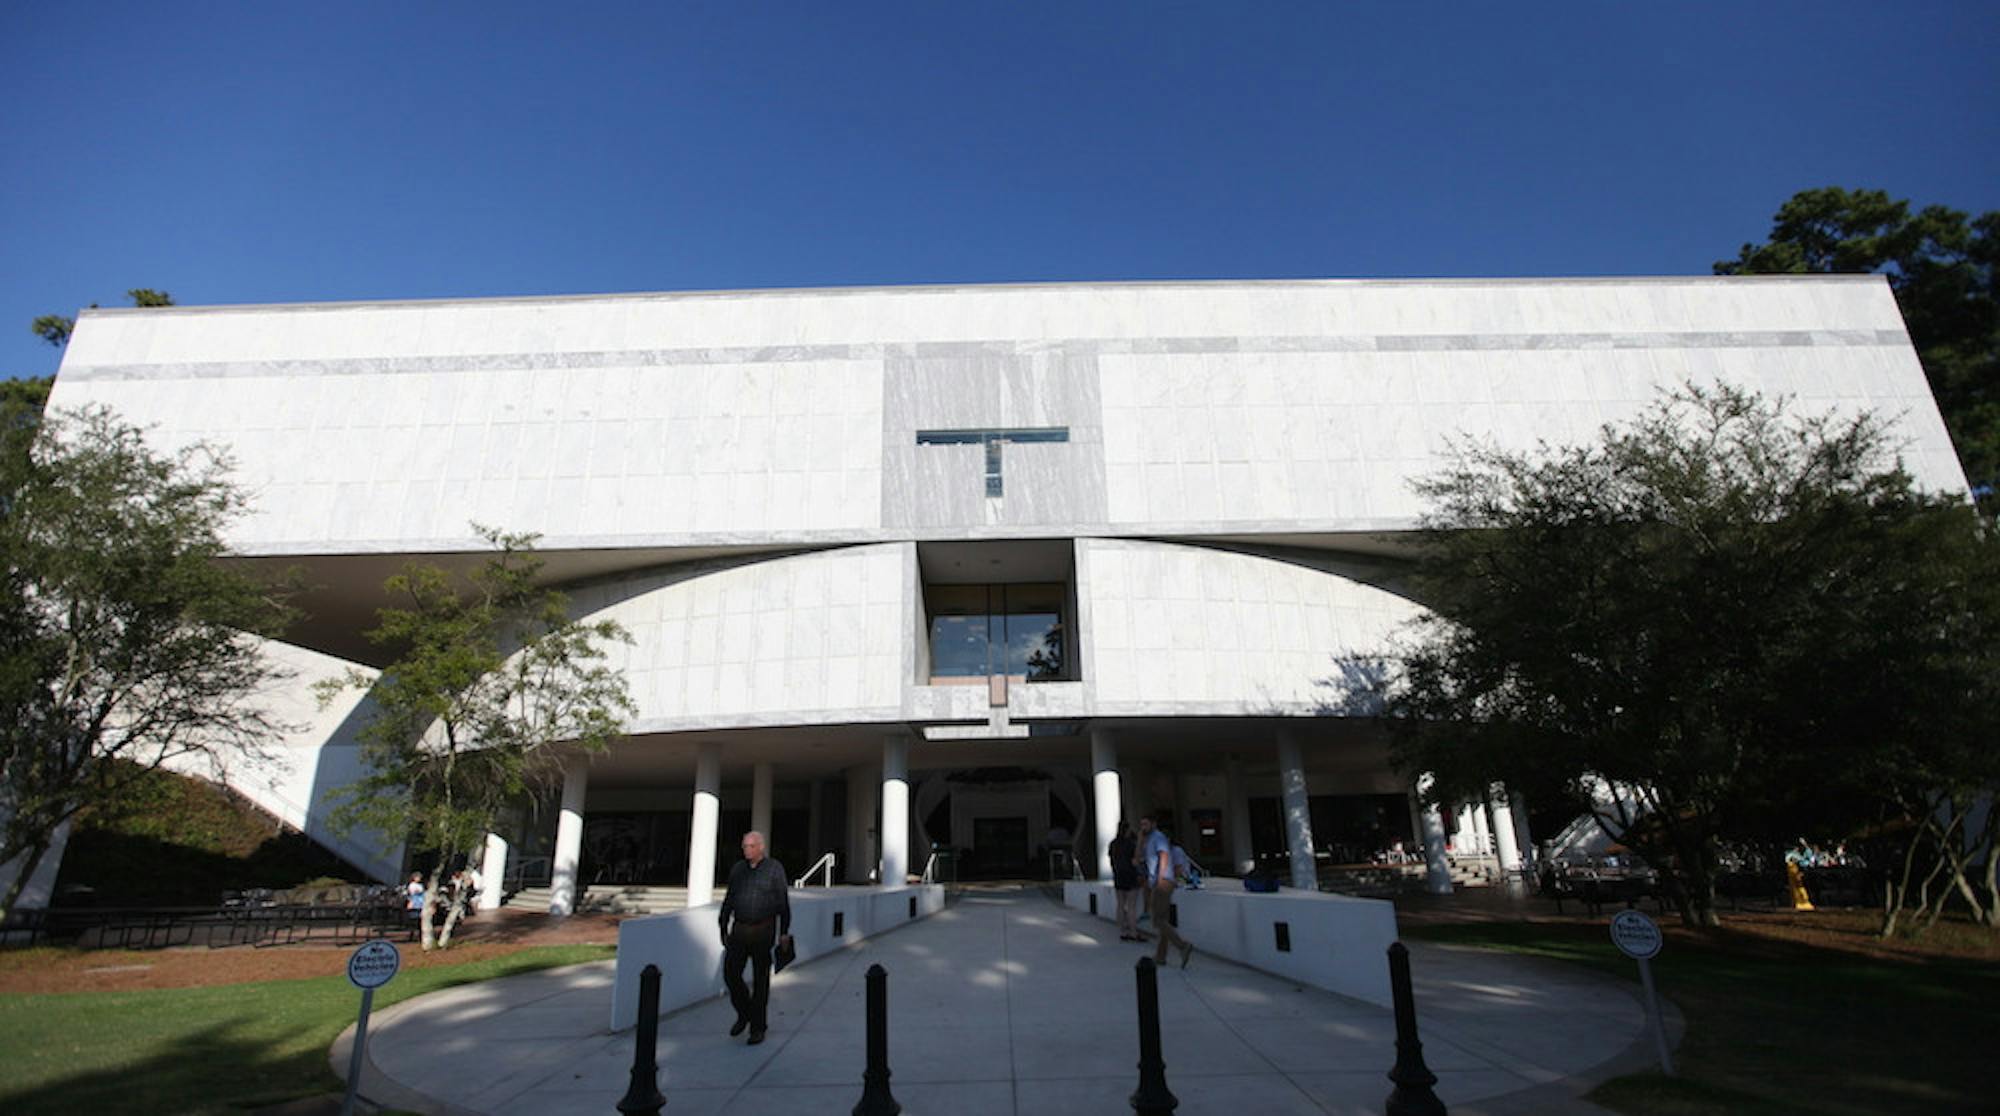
(756, 913)
(1159, 860)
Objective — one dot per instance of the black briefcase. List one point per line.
(784, 955)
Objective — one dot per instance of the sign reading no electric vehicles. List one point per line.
(374, 964)
(1635, 935)
(1639, 938)
(369, 967)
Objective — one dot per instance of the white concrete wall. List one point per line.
(659, 420)
(1260, 439)
(809, 638)
(1187, 629)
(687, 944)
(1339, 943)
(295, 776)
(41, 885)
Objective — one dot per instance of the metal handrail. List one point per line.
(823, 863)
(930, 868)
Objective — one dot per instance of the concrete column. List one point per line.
(702, 828)
(1482, 829)
(895, 809)
(760, 800)
(1236, 819)
(1106, 802)
(1437, 869)
(1503, 830)
(569, 838)
(1526, 840)
(1298, 810)
(492, 872)
(863, 781)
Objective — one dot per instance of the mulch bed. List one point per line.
(491, 934)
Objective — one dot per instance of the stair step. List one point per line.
(609, 898)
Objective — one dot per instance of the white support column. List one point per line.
(492, 872)
(1298, 810)
(760, 800)
(1503, 830)
(1106, 801)
(1529, 855)
(863, 781)
(1236, 819)
(1437, 873)
(1482, 829)
(895, 809)
(569, 838)
(702, 827)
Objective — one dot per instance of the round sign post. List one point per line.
(1639, 938)
(372, 965)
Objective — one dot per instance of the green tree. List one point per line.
(1734, 618)
(492, 684)
(121, 636)
(56, 328)
(1940, 263)
(22, 402)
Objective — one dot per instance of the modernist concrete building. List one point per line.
(972, 568)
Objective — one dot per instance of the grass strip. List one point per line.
(206, 1050)
(1777, 1027)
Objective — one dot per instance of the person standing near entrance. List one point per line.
(1124, 853)
(1158, 856)
(756, 914)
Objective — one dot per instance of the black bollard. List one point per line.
(644, 1095)
(1412, 1095)
(1152, 1097)
(876, 1099)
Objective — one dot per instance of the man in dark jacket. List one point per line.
(756, 912)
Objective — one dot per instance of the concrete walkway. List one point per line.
(1008, 1003)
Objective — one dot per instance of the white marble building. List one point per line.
(949, 566)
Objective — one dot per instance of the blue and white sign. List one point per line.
(1635, 935)
(374, 964)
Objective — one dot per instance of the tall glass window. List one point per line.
(978, 631)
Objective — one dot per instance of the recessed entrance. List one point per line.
(999, 848)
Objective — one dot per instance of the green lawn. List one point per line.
(1777, 1028)
(201, 1050)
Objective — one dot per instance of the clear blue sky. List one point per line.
(295, 152)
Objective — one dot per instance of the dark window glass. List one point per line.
(1034, 631)
(981, 630)
(961, 635)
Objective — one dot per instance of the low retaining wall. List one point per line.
(687, 945)
(1336, 942)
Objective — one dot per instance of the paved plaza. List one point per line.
(1007, 1003)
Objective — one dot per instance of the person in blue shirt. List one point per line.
(1157, 857)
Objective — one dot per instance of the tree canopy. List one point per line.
(492, 685)
(1940, 262)
(121, 636)
(1740, 619)
(56, 328)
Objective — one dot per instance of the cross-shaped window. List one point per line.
(992, 440)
